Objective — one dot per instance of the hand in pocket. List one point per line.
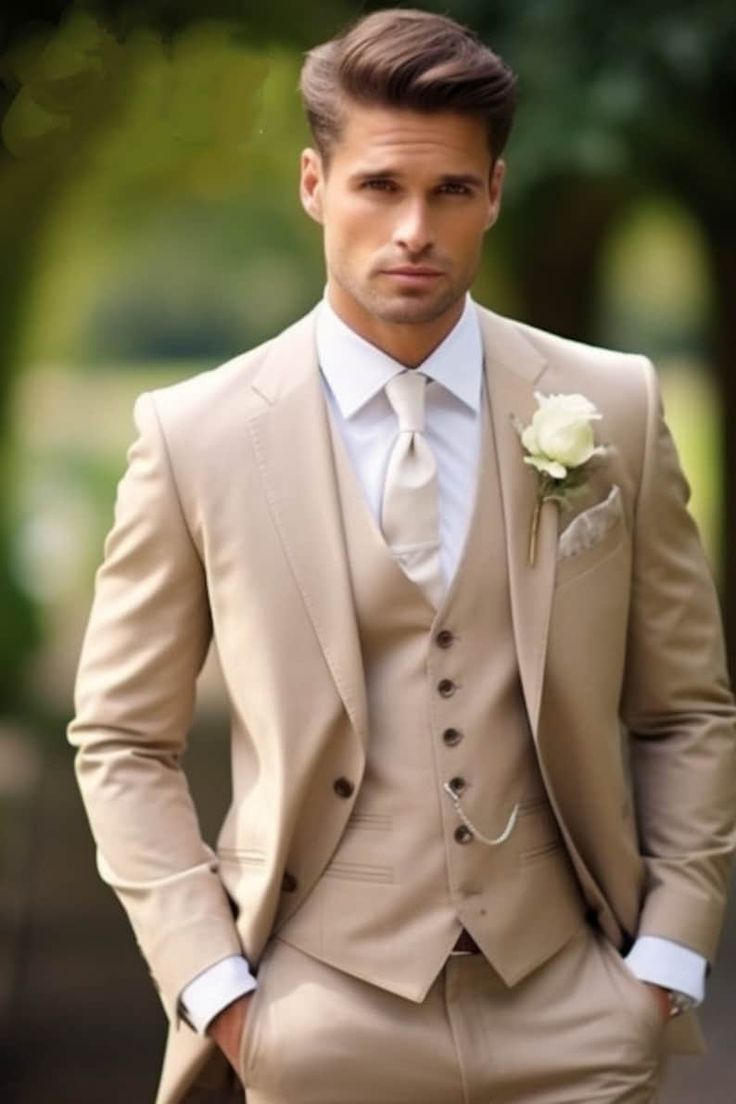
(228, 1027)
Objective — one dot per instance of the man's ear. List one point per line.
(495, 190)
(311, 183)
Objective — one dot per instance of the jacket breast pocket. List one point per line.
(590, 538)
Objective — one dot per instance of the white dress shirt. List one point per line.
(354, 373)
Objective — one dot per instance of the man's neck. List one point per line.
(409, 343)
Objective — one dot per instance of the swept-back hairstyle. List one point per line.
(400, 57)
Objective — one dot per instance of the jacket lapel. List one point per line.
(513, 369)
(291, 440)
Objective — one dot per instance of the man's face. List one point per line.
(404, 204)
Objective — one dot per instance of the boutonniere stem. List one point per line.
(542, 495)
(559, 444)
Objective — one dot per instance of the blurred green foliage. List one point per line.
(618, 88)
(149, 210)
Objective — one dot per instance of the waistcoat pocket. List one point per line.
(538, 832)
(359, 872)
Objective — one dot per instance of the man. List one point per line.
(482, 734)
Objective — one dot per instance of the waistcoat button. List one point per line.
(445, 638)
(452, 736)
(343, 787)
(446, 687)
(457, 784)
(463, 834)
(288, 882)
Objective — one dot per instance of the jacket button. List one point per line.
(457, 784)
(446, 687)
(343, 787)
(452, 736)
(463, 834)
(445, 638)
(288, 882)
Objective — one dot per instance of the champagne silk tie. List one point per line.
(410, 512)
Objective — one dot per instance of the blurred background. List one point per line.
(150, 229)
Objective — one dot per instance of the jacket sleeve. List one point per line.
(678, 706)
(146, 640)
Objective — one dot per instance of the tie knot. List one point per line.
(406, 393)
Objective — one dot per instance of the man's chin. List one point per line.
(410, 309)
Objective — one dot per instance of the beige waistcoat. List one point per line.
(407, 875)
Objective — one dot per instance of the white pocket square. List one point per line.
(591, 526)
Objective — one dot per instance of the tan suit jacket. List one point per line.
(227, 528)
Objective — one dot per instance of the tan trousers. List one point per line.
(579, 1030)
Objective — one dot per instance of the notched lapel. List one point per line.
(513, 369)
(291, 440)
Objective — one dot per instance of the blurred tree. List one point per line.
(159, 102)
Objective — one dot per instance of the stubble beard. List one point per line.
(405, 306)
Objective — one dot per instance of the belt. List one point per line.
(465, 944)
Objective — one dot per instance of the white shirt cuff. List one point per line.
(214, 989)
(669, 964)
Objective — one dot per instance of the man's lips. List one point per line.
(408, 270)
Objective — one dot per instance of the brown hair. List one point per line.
(400, 57)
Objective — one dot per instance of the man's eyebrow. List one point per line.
(387, 171)
(471, 179)
(367, 174)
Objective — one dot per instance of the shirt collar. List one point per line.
(357, 370)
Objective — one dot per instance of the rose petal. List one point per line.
(549, 467)
(564, 437)
(574, 404)
(529, 439)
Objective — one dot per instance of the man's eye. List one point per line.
(455, 189)
(379, 185)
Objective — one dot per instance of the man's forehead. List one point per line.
(382, 134)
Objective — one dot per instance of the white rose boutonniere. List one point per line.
(560, 444)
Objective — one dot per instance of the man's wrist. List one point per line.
(225, 1014)
(226, 1029)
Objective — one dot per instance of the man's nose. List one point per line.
(413, 231)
